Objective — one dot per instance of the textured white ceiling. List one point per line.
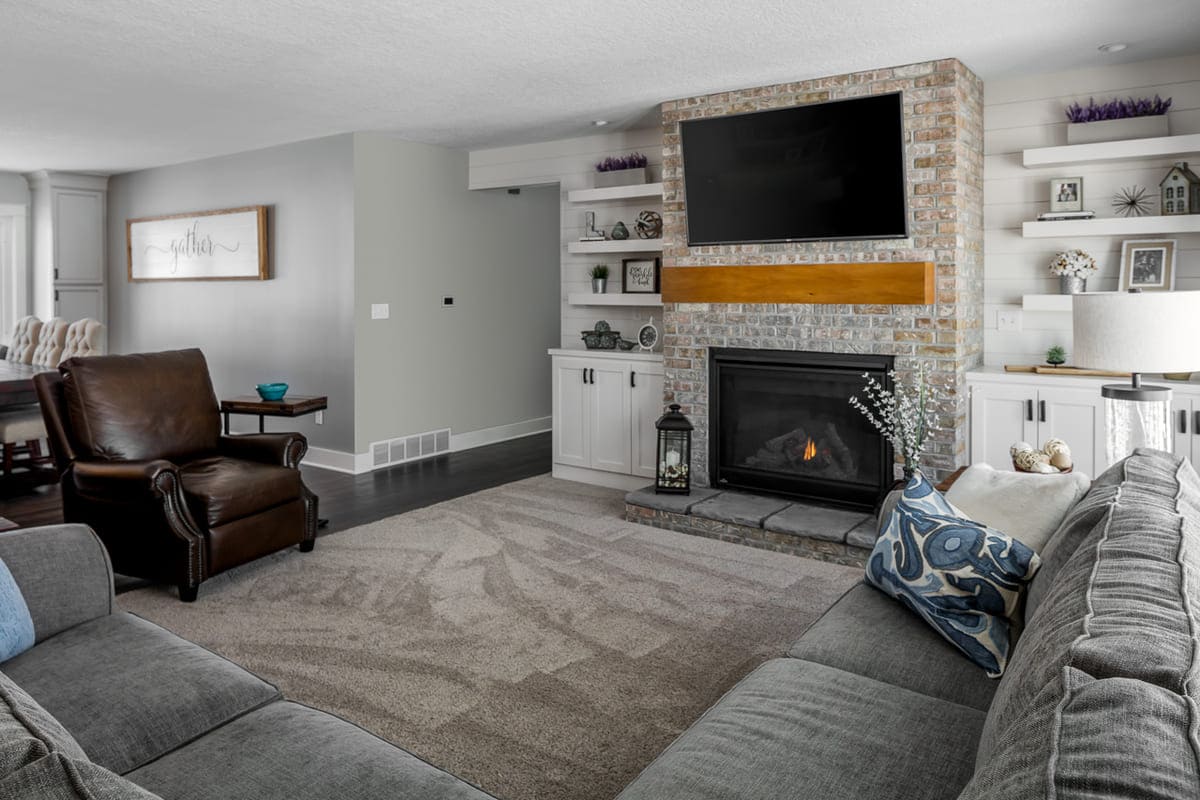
(124, 84)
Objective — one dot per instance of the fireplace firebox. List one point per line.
(780, 422)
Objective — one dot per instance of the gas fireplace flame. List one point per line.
(810, 450)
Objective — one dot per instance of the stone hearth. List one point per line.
(770, 523)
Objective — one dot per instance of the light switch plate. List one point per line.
(380, 311)
(1009, 320)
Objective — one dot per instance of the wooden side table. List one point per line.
(289, 406)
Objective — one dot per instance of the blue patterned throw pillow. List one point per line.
(16, 626)
(961, 577)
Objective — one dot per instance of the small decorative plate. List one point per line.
(648, 335)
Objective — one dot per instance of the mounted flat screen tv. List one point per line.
(823, 171)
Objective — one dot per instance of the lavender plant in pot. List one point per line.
(621, 170)
(1117, 119)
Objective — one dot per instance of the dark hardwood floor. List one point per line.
(350, 500)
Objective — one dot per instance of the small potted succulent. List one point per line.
(621, 170)
(599, 275)
(1117, 119)
(1056, 356)
(1073, 268)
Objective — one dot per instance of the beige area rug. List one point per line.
(525, 638)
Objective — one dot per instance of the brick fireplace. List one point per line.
(943, 129)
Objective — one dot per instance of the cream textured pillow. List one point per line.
(1028, 507)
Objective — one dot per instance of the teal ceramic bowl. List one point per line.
(271, 391)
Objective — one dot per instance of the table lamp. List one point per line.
(1137, 332)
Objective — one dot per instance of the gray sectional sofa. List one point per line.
(104, 693)
(1099, 699)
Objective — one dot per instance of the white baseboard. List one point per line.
(334, 460)
(598, 477)
(359, 463)
(500, 433)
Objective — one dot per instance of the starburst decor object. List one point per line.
(1131, 201)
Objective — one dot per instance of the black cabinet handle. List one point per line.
(1029, 410)
(1041, 410)
(1196, 424)
(1182, 421)
(632, 379)
(584, 373)
(592, 376)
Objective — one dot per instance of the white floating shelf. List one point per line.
(1112, 226)
(617, 246)
(1125, 149)
(1046, 302)
(632, 192)
(634, 300)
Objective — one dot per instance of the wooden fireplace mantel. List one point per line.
(865, 282)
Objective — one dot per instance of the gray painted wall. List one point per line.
(419, 233)
(13, 188)
(297, 327)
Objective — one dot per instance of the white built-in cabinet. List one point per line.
(1010, 408)
(69, 245)
(1185, 425)
(605, 405)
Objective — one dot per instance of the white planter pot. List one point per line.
(1112, 130)
(621, 177)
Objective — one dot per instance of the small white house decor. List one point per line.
(1073, 268)
(1180, 190)
(226, 244)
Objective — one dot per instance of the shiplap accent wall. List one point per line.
(571, 163)
(1028, 112)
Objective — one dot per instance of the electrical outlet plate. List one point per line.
(320, 418)
(1008, 320)
(380, 311)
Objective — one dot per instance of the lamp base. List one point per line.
(1136, 416)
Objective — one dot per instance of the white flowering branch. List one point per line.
(900, 415)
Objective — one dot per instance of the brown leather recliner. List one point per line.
(137, 442)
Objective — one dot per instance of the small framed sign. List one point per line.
(640, 275)
(1066, 194)
(223, 245)
(1148, 264)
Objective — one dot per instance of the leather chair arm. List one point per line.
(106, 479)
(283, 449)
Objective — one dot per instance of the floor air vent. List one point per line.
(409, 448)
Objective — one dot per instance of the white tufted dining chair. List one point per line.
(24, 340)
(85, 337)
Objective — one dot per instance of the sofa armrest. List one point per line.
(63, 572)
(123, 479)
(283, 449)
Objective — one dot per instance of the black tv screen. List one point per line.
(823, 171)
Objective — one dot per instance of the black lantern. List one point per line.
(674, 453)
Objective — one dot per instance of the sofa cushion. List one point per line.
(793, 728)
(28, 731)
(1128, 590)
(1112, 738)
(961, 577)
(141, 407)
(215, 488)
(870, 634)
(129, 691)
(291, 752)
(16, 626)
(1028, 507)
(58, 777)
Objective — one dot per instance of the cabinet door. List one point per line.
(78, 235)
(79, 302)
(608, 404)
(1001, 415)
(1077, 417)
(571, 410)
(646, 385)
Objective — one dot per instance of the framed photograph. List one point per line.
(1066, 194)
(1148, 264)
(639, 275)
(229, 244)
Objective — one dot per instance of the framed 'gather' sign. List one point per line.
(229, 244)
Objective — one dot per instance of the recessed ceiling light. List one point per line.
(599, 123)
(1112, 47)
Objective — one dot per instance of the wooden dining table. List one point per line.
(16, 384)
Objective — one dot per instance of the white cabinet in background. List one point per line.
(1003, 413)
(78, 216)
(605, 406)
(1185, 416)
(69, 245)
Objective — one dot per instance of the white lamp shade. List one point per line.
(1137, 332)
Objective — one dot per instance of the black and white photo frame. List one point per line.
(1066, 194)
(1148, 264)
